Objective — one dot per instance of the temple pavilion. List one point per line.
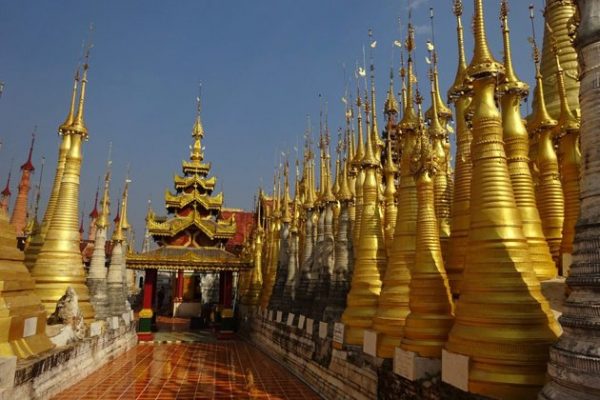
(192, 242)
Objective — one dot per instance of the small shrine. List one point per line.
(192, 242)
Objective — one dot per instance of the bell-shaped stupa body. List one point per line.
(502, 321)
(22, 315)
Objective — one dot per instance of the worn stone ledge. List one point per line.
(43, 377)
(350, 373)
(301, 354)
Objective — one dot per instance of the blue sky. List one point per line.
(262, 65)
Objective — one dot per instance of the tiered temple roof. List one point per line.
(195, 231)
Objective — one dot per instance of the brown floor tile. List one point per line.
(193, 371)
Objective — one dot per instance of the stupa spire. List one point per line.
(461, 72)
(78, 125)
(71, 114)
(444, 113)
(197, 152)
(5, 194)
(93, 215)
(409, 117)
(438, 136)
(286, 215)
(124, 220)
(460, 95)
(516, 144)
(377, 142)
(390, 171)
(483, 62)
(360, 176)
(567, 132)
(549, 195)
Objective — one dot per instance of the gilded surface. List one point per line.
(503, 322)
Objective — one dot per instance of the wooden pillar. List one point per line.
(225, 288)
(145, 317)
(179, 287)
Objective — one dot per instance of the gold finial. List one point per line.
(423, 159)
(511, 82)
(402, 73)
(409, 118)
(369, 160)
(391, 104)
(325, 180)
(309, 178)
(349, 138)
(71, 116)
(102, 221)
(360, 146)
(443, 111)
(338, 157)
(118, 232)
(374, 127)
(483, 62)
(567, 121)
(78, 125)
(198, 129)
(435, 127)
(540, 118)
(197, 152)
(286, 215)
(124, 222)
(460, 84)
(344, 193)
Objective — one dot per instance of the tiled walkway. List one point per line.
(222, 370)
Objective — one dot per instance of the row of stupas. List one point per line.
(51, 266)
(431, 257)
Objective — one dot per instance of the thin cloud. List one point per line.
(414, 4)
(424, 29)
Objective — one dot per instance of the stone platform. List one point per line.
(347, 374)
(45, 376)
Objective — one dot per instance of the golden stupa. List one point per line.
(569, 155)
(460, 215)
(431, 309)
(252, 296)
(59, 263)
(272, 250)
(548, 190)
(22, 315)
(370, 256)
(390, 170)
(392, 307)
(502, 321)
(359, 175)
(516, 145)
